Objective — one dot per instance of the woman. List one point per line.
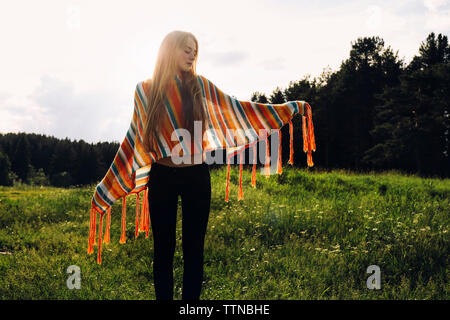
(175, 101)
(191, 181)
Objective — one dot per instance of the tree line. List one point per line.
(374, 113)
(45, 160)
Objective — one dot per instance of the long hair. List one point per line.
(165, 70)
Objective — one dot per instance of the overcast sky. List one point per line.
(69, 68)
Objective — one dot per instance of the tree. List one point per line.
(5, 169)
(412, 123)
(258, 97)
(277, 96)
(355, 94)
(22, 158)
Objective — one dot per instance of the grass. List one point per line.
(299, 235)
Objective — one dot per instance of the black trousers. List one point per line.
(193, 184)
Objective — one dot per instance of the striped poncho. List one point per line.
(252, 122)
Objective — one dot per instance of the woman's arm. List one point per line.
(254, 119)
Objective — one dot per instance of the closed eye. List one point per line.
(195, 52)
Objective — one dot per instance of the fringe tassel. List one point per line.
(228, 180)
(305, 135)
(254, 167)
(108, 225)
(279, 166)
(136, 233)
(309, 143)
(122, 237)
(241, 193)
(291, 143)
(100, 231)
(312, 139)
(267, 163)
(91, 231)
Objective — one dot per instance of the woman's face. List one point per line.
(186, 56)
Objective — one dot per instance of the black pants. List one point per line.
(193, 184)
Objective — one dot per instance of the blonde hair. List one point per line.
(165, 70)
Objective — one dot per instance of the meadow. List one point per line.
(299, 235)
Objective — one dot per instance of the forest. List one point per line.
(374, 113)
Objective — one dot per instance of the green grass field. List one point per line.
(299, 235)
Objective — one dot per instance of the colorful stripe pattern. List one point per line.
(232, 124)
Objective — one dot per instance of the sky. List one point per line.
(69, 69)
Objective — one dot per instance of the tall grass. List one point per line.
(299, 235)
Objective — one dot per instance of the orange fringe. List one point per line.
(311, 128)
(309, 143)
(108, 225)
(122, 238)
(305, 134)
(291, 143)
(241, 193)
(100, 231)
(279, 167)
(91, 231)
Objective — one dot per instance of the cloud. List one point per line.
(228, 58)
(433, 5)
(438, 21)
(21, 115)
(4, 96)
(277, 63)
(54, 108)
